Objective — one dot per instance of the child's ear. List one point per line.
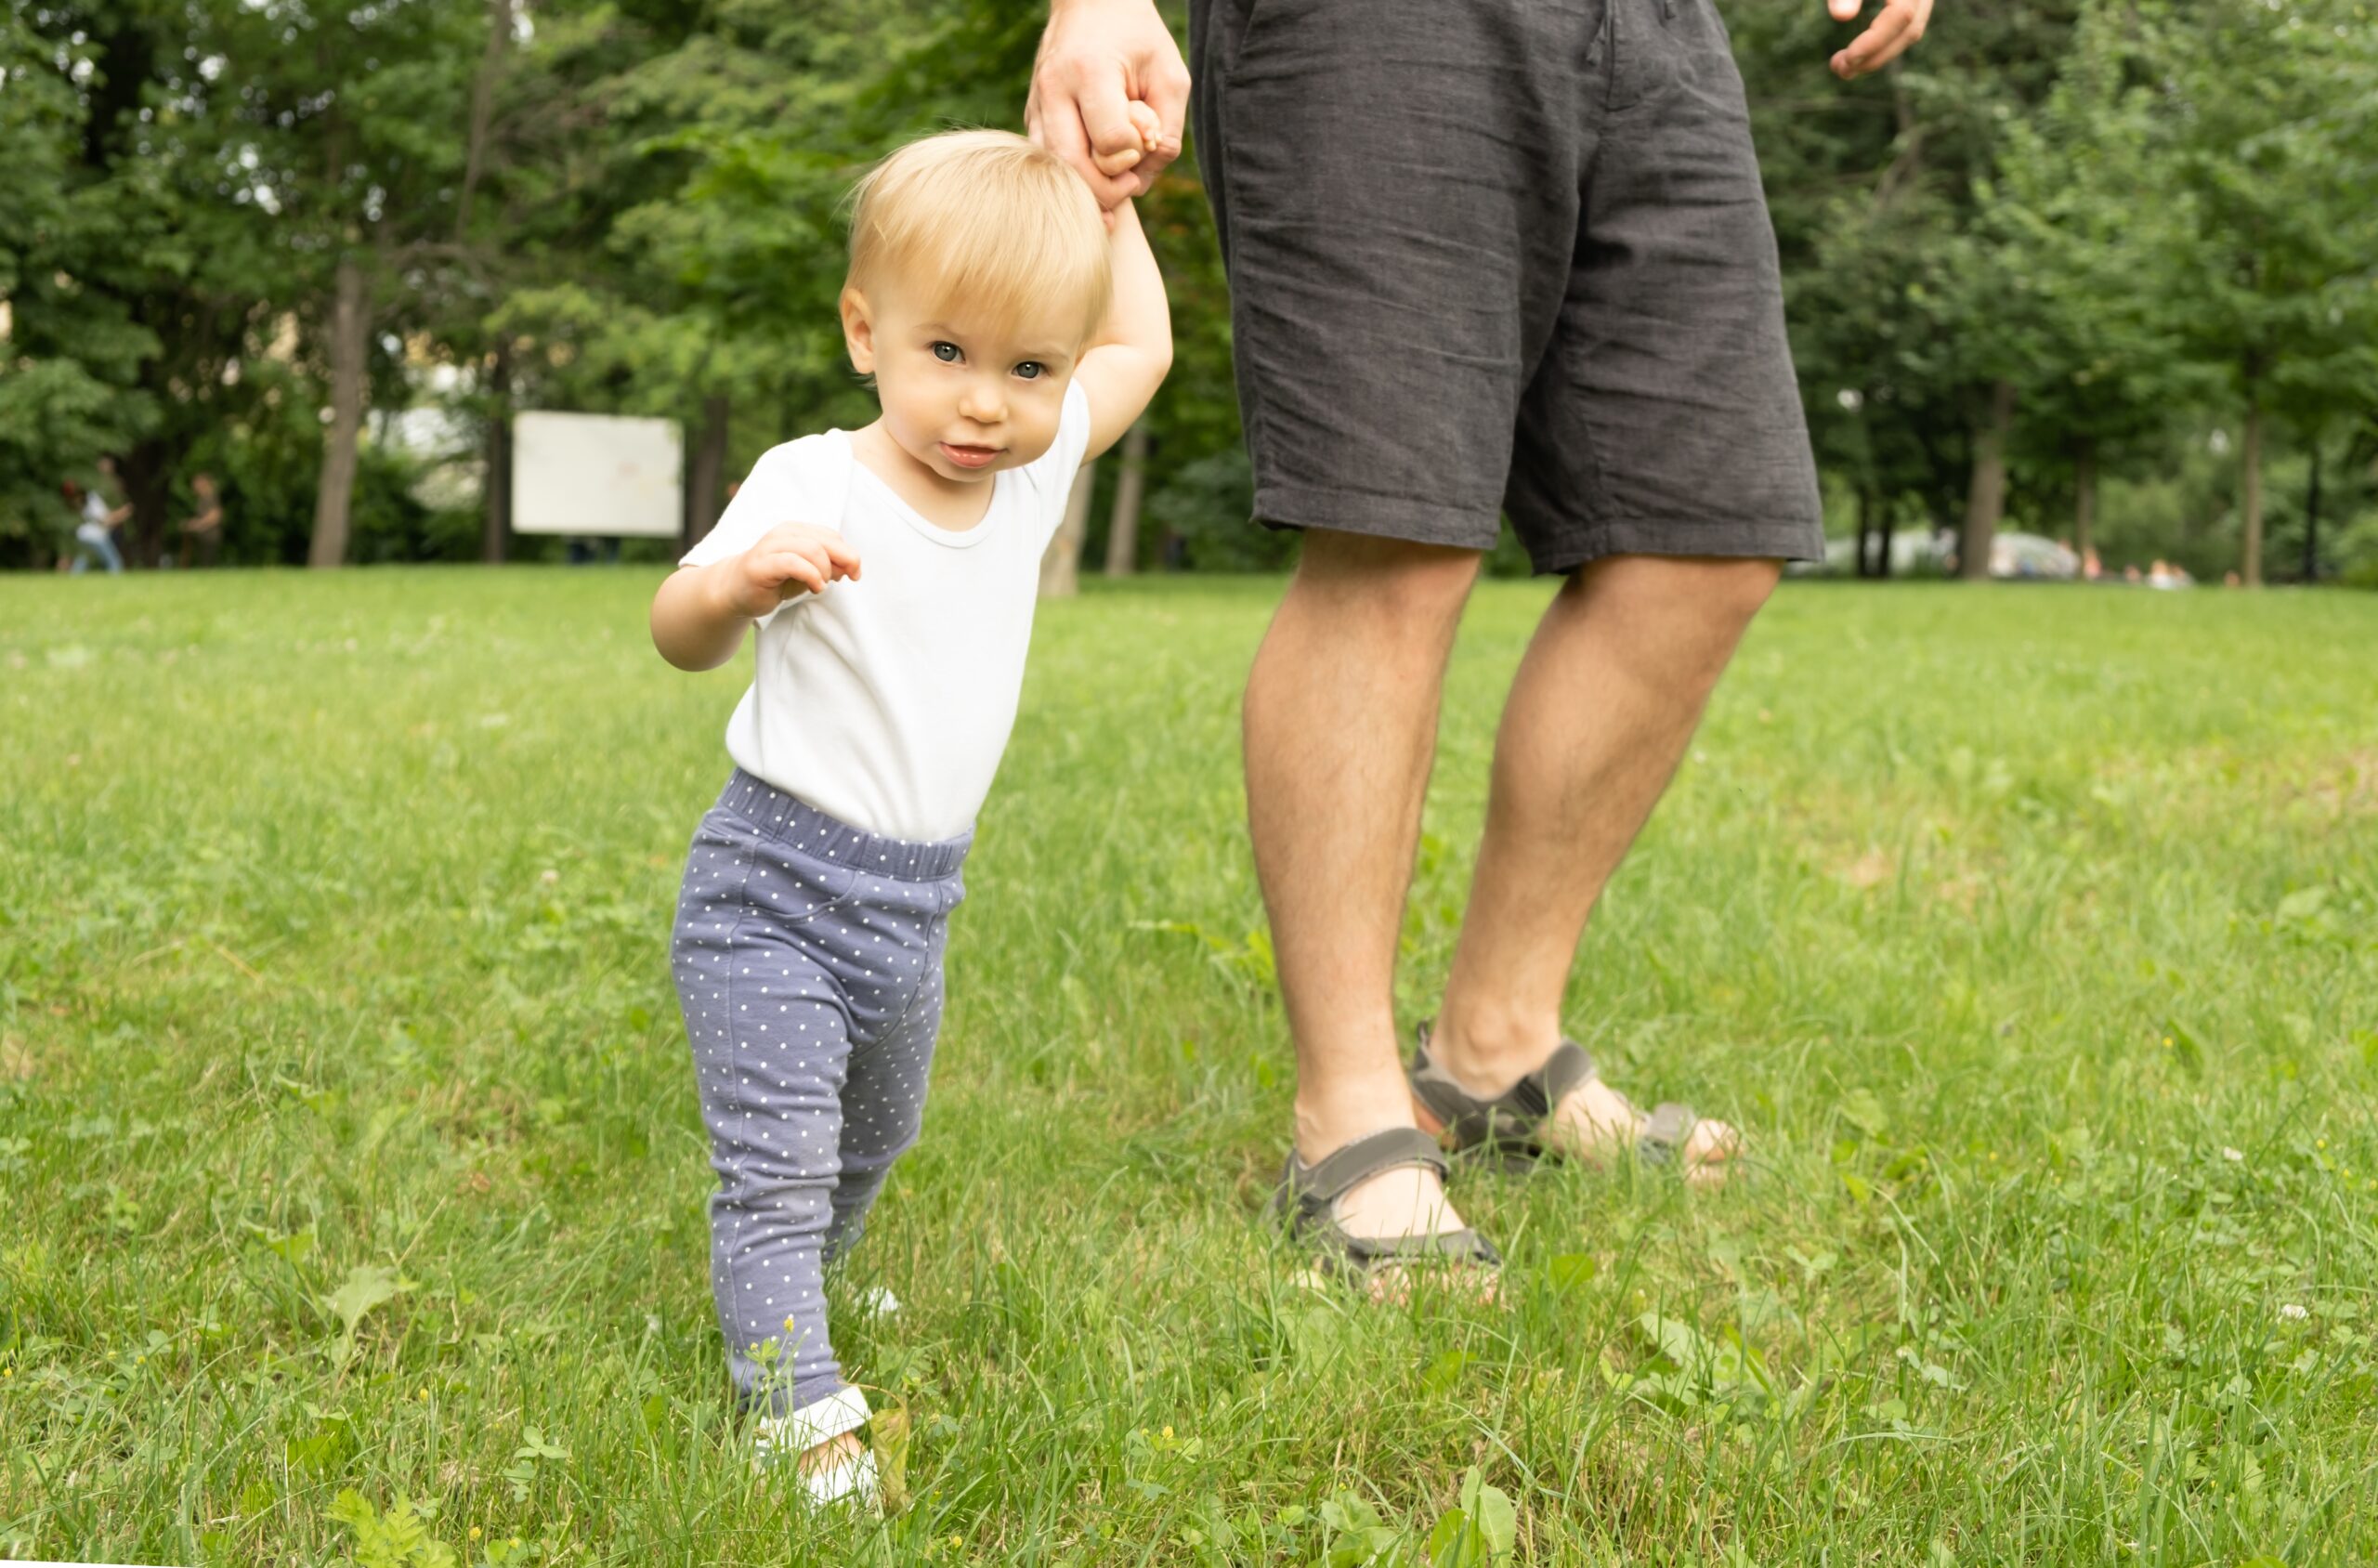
(859, 331)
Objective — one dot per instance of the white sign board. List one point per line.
(597, 474)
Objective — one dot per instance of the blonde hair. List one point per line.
(986, 220)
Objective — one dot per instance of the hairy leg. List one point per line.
(1341, 730)
(1604, 703)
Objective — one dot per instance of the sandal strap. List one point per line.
(1368, 1254)
(1308, 1196)
(1316, 1186)
(1665, 1132)
(1516, 1115)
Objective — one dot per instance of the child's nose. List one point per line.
(982, 403)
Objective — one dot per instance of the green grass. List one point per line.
(2032, 933)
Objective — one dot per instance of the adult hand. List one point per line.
(1097, 57)
(1900, 23)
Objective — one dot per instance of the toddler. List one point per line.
(1011, 335)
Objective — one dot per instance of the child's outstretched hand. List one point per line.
(791, 560)
(1145, 121)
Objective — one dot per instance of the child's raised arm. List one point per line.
(1127, 361)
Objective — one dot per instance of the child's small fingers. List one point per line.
(1114, 163)
(788, 567)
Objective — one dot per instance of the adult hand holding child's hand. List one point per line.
(790, 560)
(1123, 160)
(1109, 92)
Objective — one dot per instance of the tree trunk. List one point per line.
(1986, 501)
(2312, 518)
(143, 475)
(706, 486)
(350, 341)
(1865, 525)
(499, 44)
(1123, 532)
(2250, 570)
(1061, 563)
(495, 533)
(2085, 497)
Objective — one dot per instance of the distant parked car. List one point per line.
(1916, 553)
(1913, 554)
(2032, 555)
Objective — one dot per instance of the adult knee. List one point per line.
(1737, 591)
(1399, 585)
(1682, 617)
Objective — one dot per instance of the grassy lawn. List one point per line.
(348, 1143)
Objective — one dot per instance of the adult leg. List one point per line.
(1608, 696)
(1340, 729)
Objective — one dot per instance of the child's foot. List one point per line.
(839, 1470)
(832, 1469)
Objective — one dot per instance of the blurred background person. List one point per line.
(203, 532)
(95, 533)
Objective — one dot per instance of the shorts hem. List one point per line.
(1378, 516)
(1782, 542)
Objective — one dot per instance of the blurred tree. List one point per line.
(2269, 121)
(71, 348)
(2073, 284)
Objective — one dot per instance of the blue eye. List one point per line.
(946, 352)
(1032, 369)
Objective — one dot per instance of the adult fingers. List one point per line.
(1880, 44)
(1106, 109)
(1073, 97)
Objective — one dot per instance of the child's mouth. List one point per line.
(970, 457)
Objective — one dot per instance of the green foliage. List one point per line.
(1483, 1529)
(399, 1538)
(2146, 215)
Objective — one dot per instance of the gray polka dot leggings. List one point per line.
(808, 963)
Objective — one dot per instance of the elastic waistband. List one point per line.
(775, 815)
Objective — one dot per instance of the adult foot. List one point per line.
(1592, 1123)
(1399, 1206)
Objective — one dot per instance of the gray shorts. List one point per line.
(1502, 255)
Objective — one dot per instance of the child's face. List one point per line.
(964, 398)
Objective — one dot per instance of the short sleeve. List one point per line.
(772, 494)
(1053, 472)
